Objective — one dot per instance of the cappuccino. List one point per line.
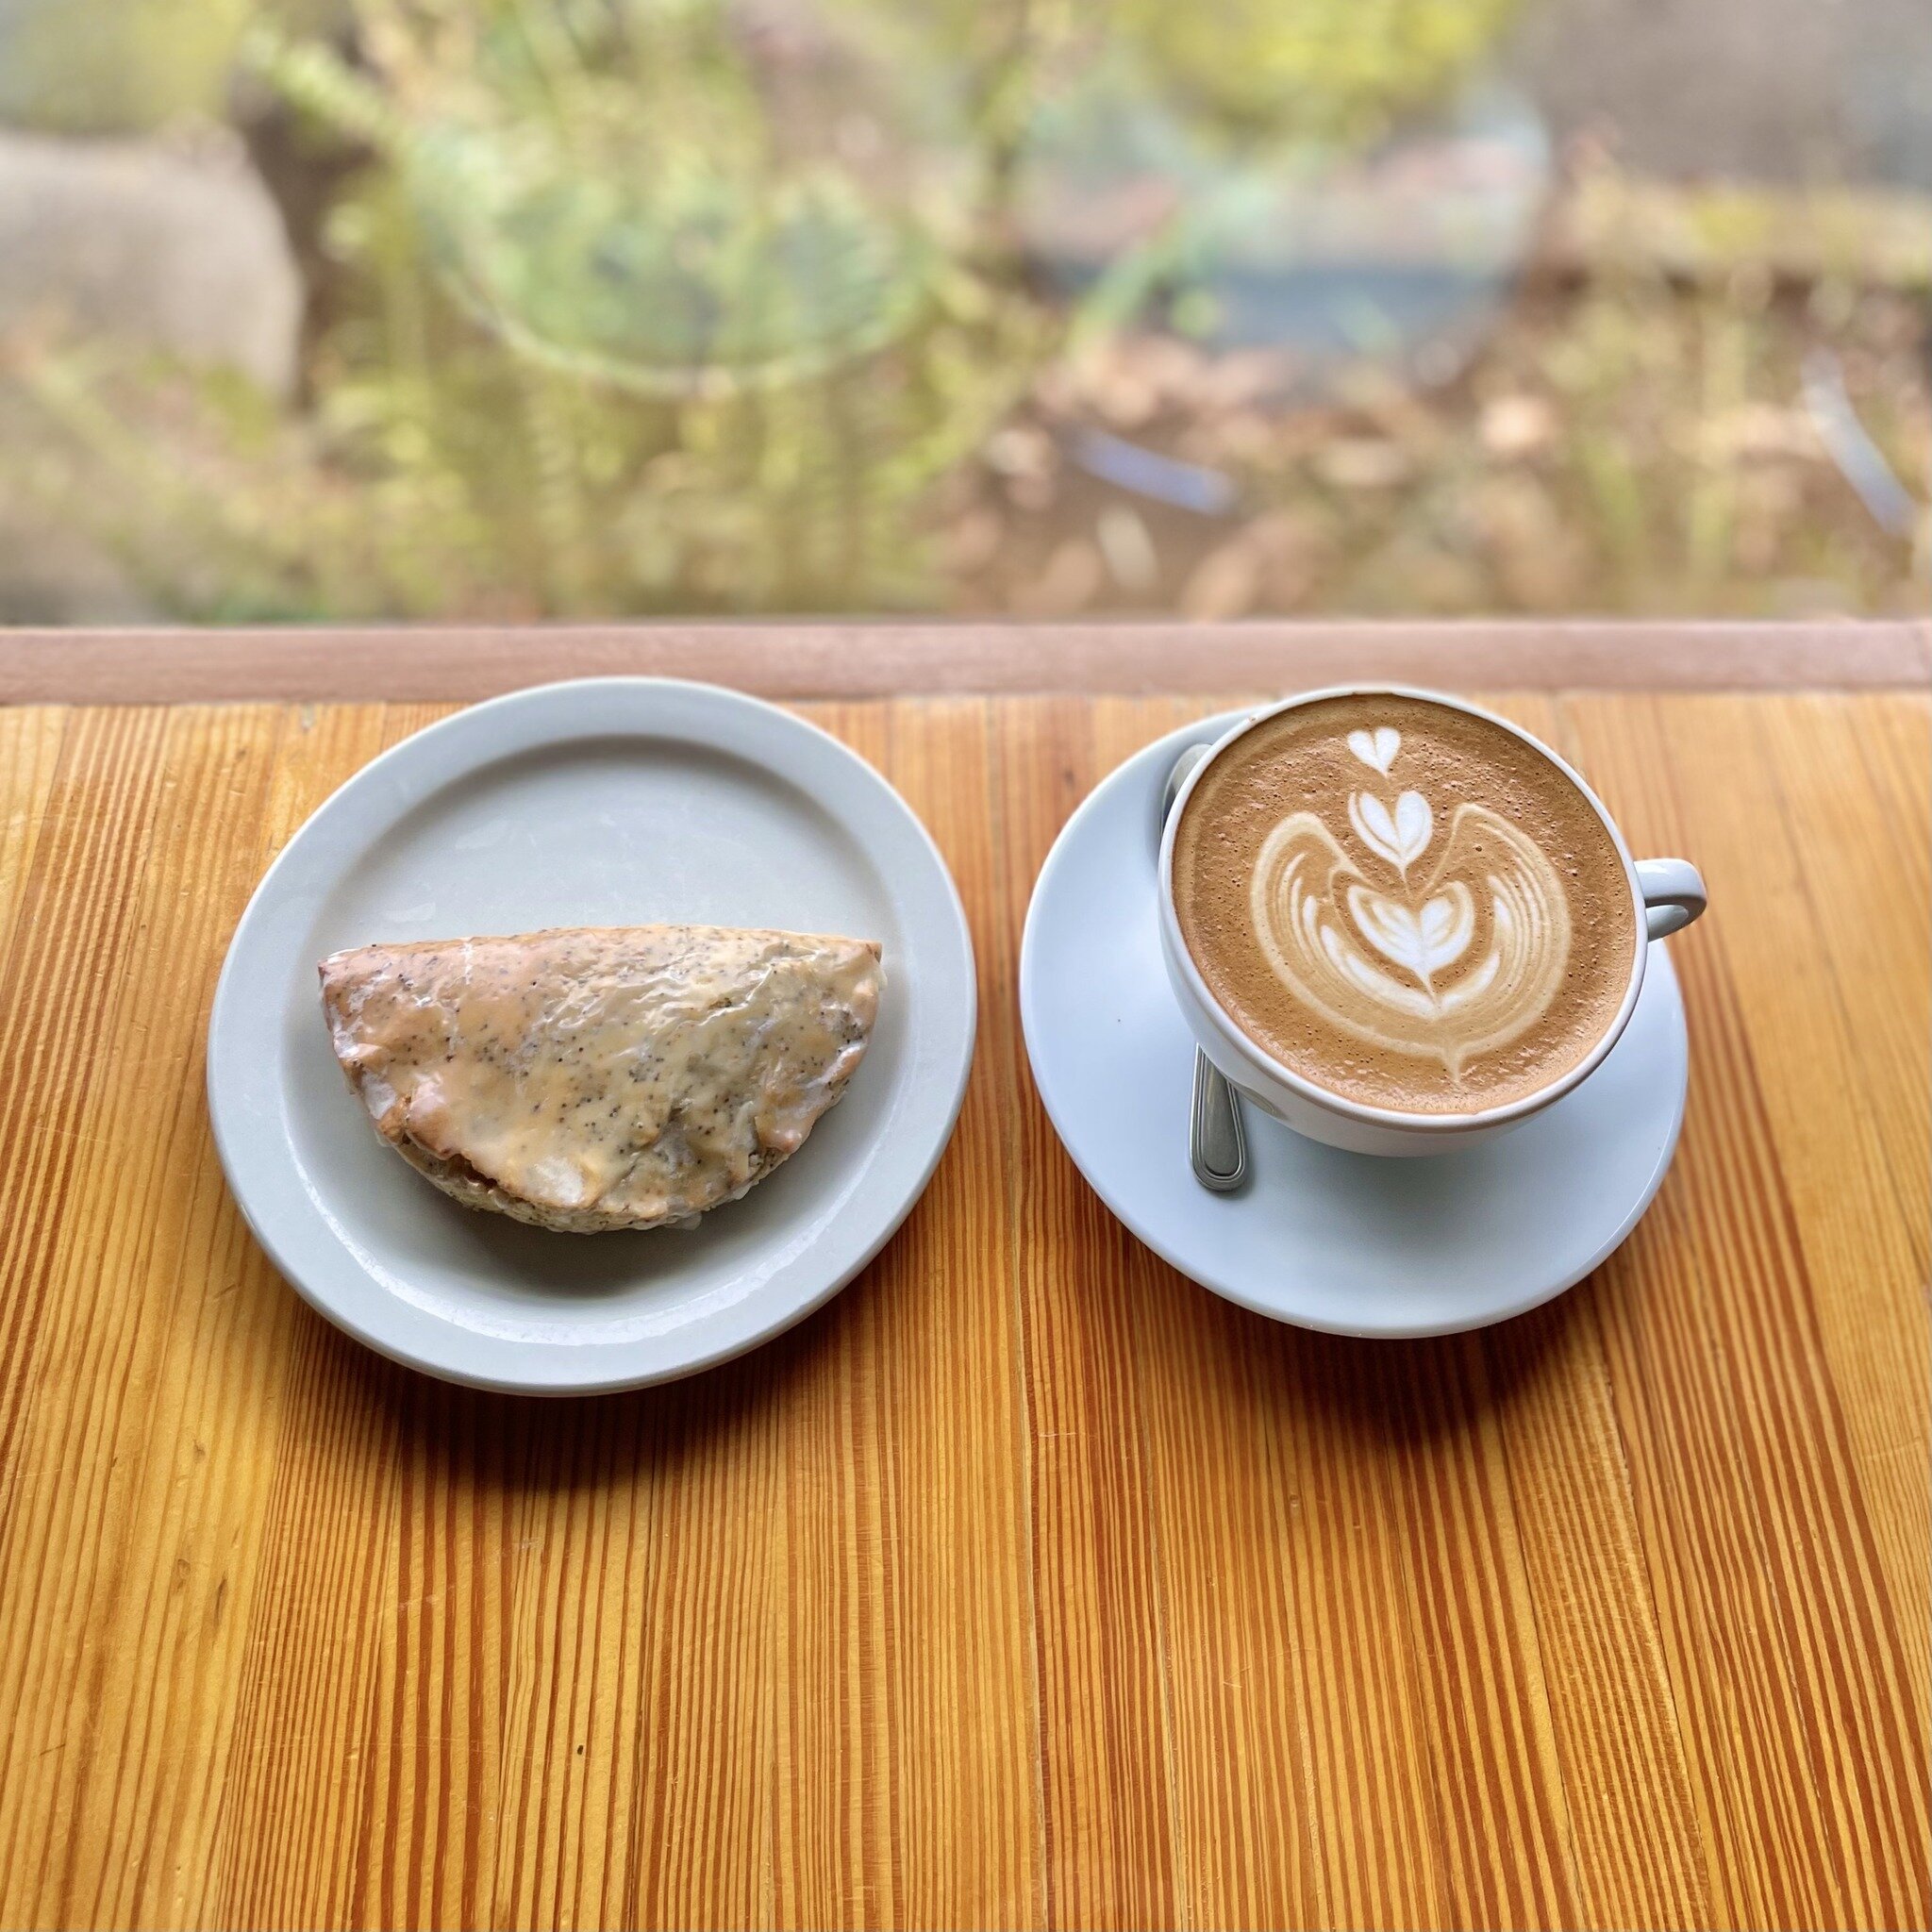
(1404, 903)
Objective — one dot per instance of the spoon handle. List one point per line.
(1217, 1144)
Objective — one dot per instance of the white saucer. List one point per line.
(611, 802)
(1346, 1242)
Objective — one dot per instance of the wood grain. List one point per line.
(830, 660)
(1026, 1584)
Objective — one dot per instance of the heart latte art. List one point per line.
(1405, 902)
(1444, 940)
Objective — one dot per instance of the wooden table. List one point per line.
(1026, 1582)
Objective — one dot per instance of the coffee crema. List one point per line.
(1404, 903)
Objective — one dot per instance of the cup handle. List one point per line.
(1673, 895)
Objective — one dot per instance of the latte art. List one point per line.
(1443, 966)
(1404, 902)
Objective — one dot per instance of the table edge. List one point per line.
(838, 659)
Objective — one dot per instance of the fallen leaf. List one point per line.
(1070, 582)
(1517, 425)
(1129, 549)
(1759, 430)
(1019, 449)
(1245, 376)
(1363, 462)
(1223, 584)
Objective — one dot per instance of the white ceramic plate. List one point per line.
(611, 802)
(1352, 1243)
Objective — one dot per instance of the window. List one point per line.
(452, 308)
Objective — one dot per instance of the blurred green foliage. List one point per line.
(651, 304)
(115, 66)
(656, 304)
(1325, 71)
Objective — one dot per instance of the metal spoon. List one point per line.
(1217, 1143)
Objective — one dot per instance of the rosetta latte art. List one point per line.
(1442, 961)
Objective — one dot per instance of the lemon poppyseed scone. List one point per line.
(588, 1078)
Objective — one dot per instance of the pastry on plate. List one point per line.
(594, 1077)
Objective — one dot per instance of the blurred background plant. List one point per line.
(601, 306)
(1332, 73)
(624, 308)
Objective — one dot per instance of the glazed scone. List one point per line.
(596, 1077)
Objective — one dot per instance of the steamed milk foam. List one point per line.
(1404, 903)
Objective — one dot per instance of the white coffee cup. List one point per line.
(1666, 894)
